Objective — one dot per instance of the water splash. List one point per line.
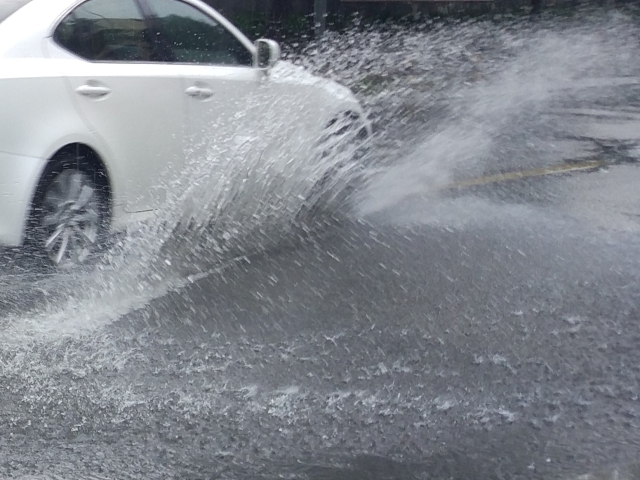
(450, 101)
(245, 190)
(466, 100)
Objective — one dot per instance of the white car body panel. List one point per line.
(232, 88)
(141, 129)
(22, 34)
(18, 177)
(147, 142)
(30, 89)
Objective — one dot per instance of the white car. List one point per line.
(100, 98)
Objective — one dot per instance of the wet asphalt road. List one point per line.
(483, 333)
(404, 346)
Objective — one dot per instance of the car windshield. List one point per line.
(8, 7)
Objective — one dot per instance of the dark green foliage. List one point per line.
(253, 24)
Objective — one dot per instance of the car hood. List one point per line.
(287, 72)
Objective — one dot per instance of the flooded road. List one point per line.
(496, 349)
(438, 331)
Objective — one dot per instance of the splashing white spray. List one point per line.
(449, 101)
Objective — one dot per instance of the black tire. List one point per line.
(68, 228)
(332, 193)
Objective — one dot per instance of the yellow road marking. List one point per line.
(537, 172)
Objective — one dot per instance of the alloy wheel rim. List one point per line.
(71, 218)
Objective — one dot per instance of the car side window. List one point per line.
(195, 37)
(106, 30)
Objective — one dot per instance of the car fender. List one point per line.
(319, 98)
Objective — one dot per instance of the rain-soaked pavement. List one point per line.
(439, 332)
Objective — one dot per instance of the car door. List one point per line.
(220, 81)
(131, 99)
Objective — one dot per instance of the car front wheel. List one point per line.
(343, 146)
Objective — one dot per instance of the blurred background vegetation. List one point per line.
(294, 19)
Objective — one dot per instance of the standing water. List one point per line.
(131, 369)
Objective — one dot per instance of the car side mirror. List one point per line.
(268, 53)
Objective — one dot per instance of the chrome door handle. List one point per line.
(201, 93)
(93, 91)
